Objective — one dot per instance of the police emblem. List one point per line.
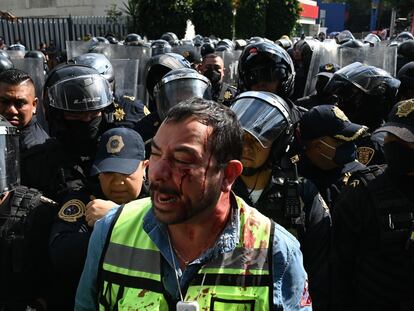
(186, 54)
(114, 144)
(329, 67)
(365, 155)
(119, 114)
(227, 95)
(405, 108)
(339, 114)
(72, 210)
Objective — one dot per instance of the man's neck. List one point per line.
(257, 181)
(191, 239)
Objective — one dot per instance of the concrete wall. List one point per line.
(49, 8)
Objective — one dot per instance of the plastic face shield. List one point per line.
(9, 158)
(174, 89)
(82, 93)
(262, 116)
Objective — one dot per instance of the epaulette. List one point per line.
(364, 176)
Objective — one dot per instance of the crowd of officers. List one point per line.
(335, 168)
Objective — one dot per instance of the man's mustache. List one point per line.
(163, 189)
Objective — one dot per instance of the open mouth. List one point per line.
(166, 198)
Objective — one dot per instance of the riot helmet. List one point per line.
(365, 93)
(160, 47)
(5, 64)
(372, 39)
(266, 117)
(253, 40)
(405, 53)
(3, 53)
(240, 44)
(225, 45)
(77, 88)
(102, 40)
(159, 65)
(403, 36)
(207, 48)
(344, 36)
(9, 157)
(132, 39)
(76, 96)
(198, 40)
(178, 85)
(284, 43)
(99, 62)
(406, 76)
(353, 43)
(112, 40)
(35, 54)
(171, 38)
(268, 62)
(17, 47)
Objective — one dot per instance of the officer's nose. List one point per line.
(11, 109)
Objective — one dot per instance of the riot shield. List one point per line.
(76, 48)
(34, 67)
(126, 77)
(231, 61)
(323, 53)
(184, 49)
(15, 54)
(384, 57)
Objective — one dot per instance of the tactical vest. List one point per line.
(131, 278)
(386, 264)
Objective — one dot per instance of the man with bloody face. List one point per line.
(194, 232)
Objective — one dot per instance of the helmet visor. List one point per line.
(82, 93)
(169, 92)
(261, 119)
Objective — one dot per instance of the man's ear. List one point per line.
(35, 105)
(232, 170)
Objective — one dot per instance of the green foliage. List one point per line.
(131, 10)
(213, 17)
(156, 17)
(113, 14)
(281, 18)
(251, 18)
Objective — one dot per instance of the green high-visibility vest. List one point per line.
(237, 280)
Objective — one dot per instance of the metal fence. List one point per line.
(33, 30)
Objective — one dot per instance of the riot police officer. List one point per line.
(329, 155)
(406, 76)
(156, 68)
(176, 86)
(365, 94)
(120, 166)
(18, 104)
(265, 66)
(319, 97)
(25, 218)
(76, 97)
(212, 67)
(271, 184)
(372, 241)
(127, 110)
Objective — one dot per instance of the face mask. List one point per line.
(400, 159)
(344, 153)
(213, 75)
(84, 131)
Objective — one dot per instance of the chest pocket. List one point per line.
(225, 302)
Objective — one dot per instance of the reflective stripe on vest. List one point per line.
(237, 280)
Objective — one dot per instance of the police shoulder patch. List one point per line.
(365, 155)
(405, 108)
(72, 210)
